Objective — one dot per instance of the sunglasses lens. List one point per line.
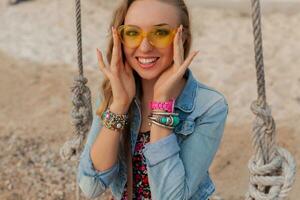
(160, 37)
(130, 36)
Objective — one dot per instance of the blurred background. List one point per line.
(38, 60)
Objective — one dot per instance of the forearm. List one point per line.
(158, 132)
(104, 151)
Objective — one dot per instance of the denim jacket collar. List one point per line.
(186, 100)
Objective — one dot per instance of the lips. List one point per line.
(147, 62)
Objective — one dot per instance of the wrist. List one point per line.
(114, 118)
(162, 103)
(119, 108)
(160, 98)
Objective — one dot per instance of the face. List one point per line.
(147, 60)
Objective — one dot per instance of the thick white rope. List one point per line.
(272, 168)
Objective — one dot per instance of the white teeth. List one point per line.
(147, 60)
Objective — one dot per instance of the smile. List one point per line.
(147, 62)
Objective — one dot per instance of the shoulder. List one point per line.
(209, 100)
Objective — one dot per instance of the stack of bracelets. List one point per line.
(114, 121)
(163, 114)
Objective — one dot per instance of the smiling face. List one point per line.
(148, 61)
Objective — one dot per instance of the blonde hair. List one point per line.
(117, 20)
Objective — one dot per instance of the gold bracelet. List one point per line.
(158, 112)
(113, 121)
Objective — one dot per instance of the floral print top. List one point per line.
(141, 188)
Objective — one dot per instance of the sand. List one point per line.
(38, 63)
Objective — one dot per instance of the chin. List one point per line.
(144, 73)
(147, 75)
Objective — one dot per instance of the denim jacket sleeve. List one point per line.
(91, 181)
(173, 176)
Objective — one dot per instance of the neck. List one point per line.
(148, 90)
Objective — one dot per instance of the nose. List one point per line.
(145, 45)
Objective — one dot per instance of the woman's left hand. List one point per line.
(171, 76)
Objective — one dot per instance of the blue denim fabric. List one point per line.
(177, 164)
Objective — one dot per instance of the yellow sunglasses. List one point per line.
(159, 36)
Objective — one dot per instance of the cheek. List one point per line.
(129, 54)
(127, 51)
(167, 53)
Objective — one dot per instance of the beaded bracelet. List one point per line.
(167, 106)
(114, 121)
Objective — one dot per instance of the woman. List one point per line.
(157, 128)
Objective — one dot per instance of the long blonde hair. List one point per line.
(117, 20)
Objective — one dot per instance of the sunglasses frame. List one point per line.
(145, 34)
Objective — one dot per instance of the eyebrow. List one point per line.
(161, 24)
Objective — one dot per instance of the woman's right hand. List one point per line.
(120, 75)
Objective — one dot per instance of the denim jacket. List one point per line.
(178, 164)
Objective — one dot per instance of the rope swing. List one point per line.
(82, 113)
(272, 168)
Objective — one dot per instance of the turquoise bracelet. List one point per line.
(165, 120)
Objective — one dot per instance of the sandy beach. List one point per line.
(38, 63)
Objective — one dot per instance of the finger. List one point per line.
(117, 55)
(178, 48)
(115, 51)
(101, 64)
(181, 44)
(188, 61)
(119, 45)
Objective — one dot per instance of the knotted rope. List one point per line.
(272, 168)
(82, 113)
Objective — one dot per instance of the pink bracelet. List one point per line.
(167, 106)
